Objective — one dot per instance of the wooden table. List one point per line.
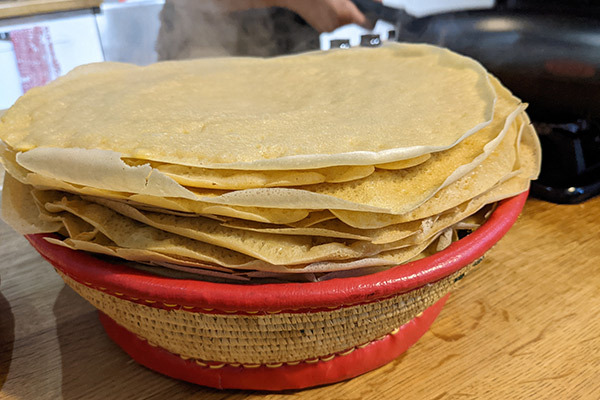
(523, 326)
(21, 8)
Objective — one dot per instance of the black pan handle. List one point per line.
(375, 11)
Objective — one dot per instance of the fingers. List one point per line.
(327, 15)
(349, 14)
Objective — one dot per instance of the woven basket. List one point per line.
(273, 336)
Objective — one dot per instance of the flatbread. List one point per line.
(241, 169)
(9, 162)
(402, 164)
(100, 169)
(336, 229)
(377, 193)
(305, 111)
(490, 172)
(133, 235)
(125, 232)
(240, 179)
(388, 191)
(20, 211)
(276, 216)
(107, 247)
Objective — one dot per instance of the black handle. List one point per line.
(377, 11)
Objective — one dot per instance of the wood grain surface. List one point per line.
(522, 326)
(21, 8)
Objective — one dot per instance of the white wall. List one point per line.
(75, 40)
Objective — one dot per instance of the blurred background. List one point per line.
(43, 39)
(547, 52)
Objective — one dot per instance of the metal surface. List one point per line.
(549, 56)
(571, 168)
(551, 61)
(129, 30)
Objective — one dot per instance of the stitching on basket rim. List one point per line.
(273, 365)
(187, 308)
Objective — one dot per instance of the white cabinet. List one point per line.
(39, 48)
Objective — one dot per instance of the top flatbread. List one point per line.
(351, 107)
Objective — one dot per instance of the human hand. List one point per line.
(323, 15)
(327, 15)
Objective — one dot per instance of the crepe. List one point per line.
(296, 168)
(498, 169)
(103, 169)
(236, 179)
(305, 111)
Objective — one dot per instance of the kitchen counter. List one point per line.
(523, 325)
(21, 8)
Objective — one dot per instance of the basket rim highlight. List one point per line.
(278, 297)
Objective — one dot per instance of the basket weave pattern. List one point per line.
(264, 338)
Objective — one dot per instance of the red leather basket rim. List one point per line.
(83, 267)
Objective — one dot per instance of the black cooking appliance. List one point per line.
(548, 54)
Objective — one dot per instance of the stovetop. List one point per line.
(570, 161)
